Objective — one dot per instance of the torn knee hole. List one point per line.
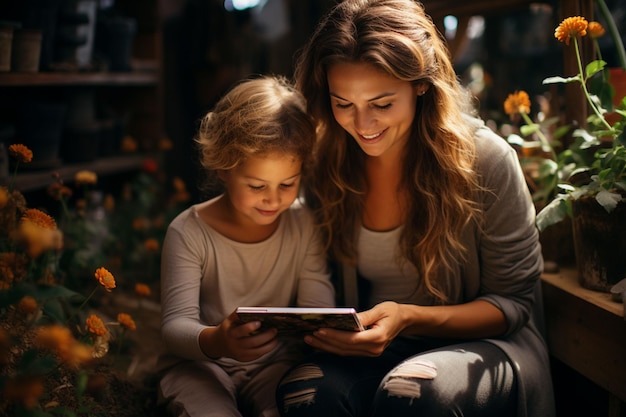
(303, 373)
(415, 368)
(305, 396)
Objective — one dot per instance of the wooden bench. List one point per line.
(586, 331)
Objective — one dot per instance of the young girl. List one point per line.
(431, 208)
(249, 246)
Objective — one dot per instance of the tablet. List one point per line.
(301, 320)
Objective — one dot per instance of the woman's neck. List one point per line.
(385, 202)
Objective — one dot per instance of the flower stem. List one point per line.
(540, 135)
(583, 83)
(619, 45)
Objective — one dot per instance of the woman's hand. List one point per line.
(383, 322)
(238, 341)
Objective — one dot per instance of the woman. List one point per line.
(431, 209)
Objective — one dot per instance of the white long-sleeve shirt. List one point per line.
(206, 276)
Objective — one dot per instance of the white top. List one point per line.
(206, 276)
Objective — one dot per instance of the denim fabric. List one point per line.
(472, 379)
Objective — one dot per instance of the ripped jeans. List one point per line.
(467, 379)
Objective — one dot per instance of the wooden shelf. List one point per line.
(567, 280)
(147, 76)
(586, 331)
(29, 181)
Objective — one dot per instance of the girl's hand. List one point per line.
(383, 322)
(240, 341)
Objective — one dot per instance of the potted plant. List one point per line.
(586, 181)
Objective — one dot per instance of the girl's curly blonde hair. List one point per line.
(258, 116)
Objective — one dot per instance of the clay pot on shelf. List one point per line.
(600, 244)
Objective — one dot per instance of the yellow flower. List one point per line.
(95, 325)
(21, 152)
(24, 390)
(151, 245)
(85, 177)
(595, 29)
(4, 196)
(27, 304)
(570, 28)
(142, 290)
(518, 102)
(126, 321)
(40, 219)
(105, 278)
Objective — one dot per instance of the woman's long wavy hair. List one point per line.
(397, 37)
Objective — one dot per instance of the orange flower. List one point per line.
(27, 304)
(24, 390)
(570, 28)
(85, 177)
(151, 245)
(165, 144)
(140, 223)
(129, 144)
(59, 340)
(142, 290)
(39, 218)
(58, 191)
(5, 347)
(39, 232)
(595, 29)
(95, 325)
(126, 321)
(55, 338)
(518, 102)
(105, 278)
(79, 354)
(4, 196)
(109, 203)
(21, 152)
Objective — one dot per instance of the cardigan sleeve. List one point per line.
(510, 253)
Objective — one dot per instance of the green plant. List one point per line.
(594, 164)
(49, 353)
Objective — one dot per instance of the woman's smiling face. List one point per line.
(376, 109)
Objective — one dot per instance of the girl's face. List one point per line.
(377, 110)
(261, 188)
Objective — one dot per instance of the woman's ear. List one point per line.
(421, 88)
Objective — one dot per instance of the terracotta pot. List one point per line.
(618, 81)
(600, 243)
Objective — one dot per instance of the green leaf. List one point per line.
(81, 383)
(555, 80)
(527, 130)
(594, 67)
(514, 139)
(608, 200)
(553, 213)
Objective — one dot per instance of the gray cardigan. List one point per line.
(503, 266)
